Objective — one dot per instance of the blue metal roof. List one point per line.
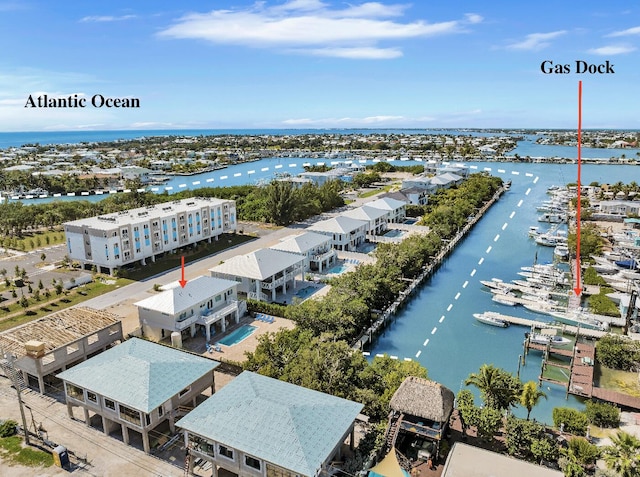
(139, 374)
(287, 425)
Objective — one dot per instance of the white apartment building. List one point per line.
(112, 240)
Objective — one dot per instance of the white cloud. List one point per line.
(106, 18)
(364, 53)
(312, 27)
(612, 50)
(536, 41)
(627, 32)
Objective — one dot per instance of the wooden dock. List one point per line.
(565, 329)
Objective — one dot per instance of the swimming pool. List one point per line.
(410, 221)
(305, 292)
(238, 335)
(394, 233)
(338, 269)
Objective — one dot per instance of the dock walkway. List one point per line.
(565, 329)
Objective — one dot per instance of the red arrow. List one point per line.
(182, 282)
(578, 288)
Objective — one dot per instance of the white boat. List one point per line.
(539, 338)
(561, 252)
(581, 319)
(489, 319)
(552, 218)
(534, 231)
(503, 299)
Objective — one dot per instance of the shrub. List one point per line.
(617, 353)
(603, 414)
(264, 307)
(8, 428)
(575, 422)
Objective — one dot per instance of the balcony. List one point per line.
(274, 283)
(324, 256)
(211, 316)
(181, 325)
(261, 297)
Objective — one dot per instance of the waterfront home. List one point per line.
(376, 218)
(420, 412)
(112, 240)
(446, 180)
(316, 248)
(321, 178)
(412, 195)
(43, 347)
(422, 182)
(261, 274)
(346, 233)
(204, 302)
(396, 210)
(257, 425)
(622, 208)
(136, 386)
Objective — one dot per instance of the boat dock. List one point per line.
(565, 329)
(448, 247)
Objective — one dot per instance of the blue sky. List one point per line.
(318, 63)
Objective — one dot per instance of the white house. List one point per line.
(446, 180)
(136, 386)
(412, 195)
(112, 240)
(346, 233)
(203, 302)
(260, 426)
(316, 248)
(419, 182)
(396, 210)
(620, 207)
(262, 273)
(376, 218)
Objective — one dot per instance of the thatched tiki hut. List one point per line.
(420, 411)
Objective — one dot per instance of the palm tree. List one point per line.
(499, 389)
(623, 454)
(531, 396)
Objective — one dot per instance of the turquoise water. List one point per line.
(305, 292)
(238, 335)
(394, 233)
(338, 269)
(442, 311)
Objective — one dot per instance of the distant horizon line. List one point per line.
(352, 128)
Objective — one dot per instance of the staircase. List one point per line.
(15, 375)
(392, 431)
(187, 461)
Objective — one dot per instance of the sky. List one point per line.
(318, 64)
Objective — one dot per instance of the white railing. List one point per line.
(181, 325)
(214, 315)
(322, 256)
(254, 296)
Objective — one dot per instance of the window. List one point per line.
(130, 415)
(92, 397)
(252, 462)
(184, 391)
(109, 404)
(160, 411)
(225, 451)
(218, 298)
(75, 392)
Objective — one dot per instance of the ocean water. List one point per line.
(442, 311)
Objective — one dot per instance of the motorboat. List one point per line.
(552, 218)
(489, 318)
(504, 299)
(561, 252)
(539, 338)
(581, 319)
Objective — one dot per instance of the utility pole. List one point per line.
(18, 386)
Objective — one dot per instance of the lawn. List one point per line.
(622, 381)
(172, 261)
(377, 190)
(14, 314)
(12, 451)
(34, 240)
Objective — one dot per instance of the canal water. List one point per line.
(437, 327)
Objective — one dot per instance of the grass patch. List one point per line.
(61, 302)
(172, 261)
(377, 190)
(13, 452)
(625, 382)
(34, 240)
(556, 373)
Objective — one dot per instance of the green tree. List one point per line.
(498, 388)
(281, 202)
(623, 455)
(43, 256)
(489, 422)
(570, 420)
(582, 452)
(24, 302)
(530, 396)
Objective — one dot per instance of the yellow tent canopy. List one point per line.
(388, 467)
